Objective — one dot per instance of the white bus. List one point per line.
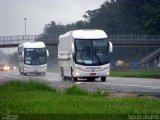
(84, 54)
(32, 58)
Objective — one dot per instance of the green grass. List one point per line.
(29, 86)
(37, 98)
(136, 73)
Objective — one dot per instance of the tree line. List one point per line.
(115, 17)
(120, 17)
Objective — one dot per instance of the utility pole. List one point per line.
(25, 28)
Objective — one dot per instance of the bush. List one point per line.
(74, 90)
(100, 92)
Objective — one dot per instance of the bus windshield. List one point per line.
(91, 52)
(35, 56)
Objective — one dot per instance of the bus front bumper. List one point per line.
(82, 74)
(35, 69)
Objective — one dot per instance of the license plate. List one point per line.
(92, 74)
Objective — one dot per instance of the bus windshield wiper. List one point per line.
(81, 57)
(97, 57)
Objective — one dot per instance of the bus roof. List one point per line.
(33, 45)
(86, 34)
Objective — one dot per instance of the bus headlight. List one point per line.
(108, 73)
(77, 73)
(6, 68)
(14, 68)
(105, 68)
(78, 67)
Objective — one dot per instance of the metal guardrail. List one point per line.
(117, 40)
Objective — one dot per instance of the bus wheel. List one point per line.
(62, 73)
(74, 79)
(24, 73)
(21, 73)
(103, 79)
(43, 73)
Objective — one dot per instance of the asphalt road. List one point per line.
(113, 84)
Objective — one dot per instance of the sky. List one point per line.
(39, 13)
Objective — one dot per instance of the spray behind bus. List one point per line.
(84, 54)
(32, 58)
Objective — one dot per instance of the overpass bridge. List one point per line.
(14, 41)
(135, 40)
(117, 40)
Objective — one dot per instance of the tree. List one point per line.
(126, 17)
(51, 32)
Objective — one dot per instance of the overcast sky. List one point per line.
(39, 13)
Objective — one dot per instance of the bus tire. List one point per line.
(24, 73)
(72, 77)
(43, 73)
(62, 72)
(103, 79)
(21, 73)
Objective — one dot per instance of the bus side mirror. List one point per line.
(47, 53)
(110, 47)
(73, 48)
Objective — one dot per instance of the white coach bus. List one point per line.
(32, 58)
(84, 54)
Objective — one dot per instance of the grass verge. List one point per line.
(37, 98)
(137, 73)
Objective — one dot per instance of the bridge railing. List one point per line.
(5, 40)
(133, 40)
